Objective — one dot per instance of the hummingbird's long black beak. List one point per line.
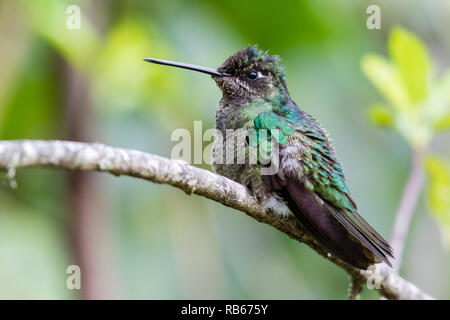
(211, 71)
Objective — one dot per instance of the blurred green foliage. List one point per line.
(438, 194)
(164, 244)
(420, 108)
(419, 102)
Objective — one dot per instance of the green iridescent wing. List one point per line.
(328, 182)
(323, 172)
(317, 157)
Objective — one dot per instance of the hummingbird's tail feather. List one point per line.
(360, 229)
(332, 228)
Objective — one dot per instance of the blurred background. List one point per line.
(138, 240)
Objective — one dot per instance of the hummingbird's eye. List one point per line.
(252, 75)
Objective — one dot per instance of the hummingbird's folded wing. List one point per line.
(313, 185)
(351, 244)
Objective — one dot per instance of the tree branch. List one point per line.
(355, 288)
(407, 205)
(99, 157)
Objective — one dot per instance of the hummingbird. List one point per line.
(309, 181)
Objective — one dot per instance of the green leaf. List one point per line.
(381, 115)
(443, 123)
(48, 19)
(438, 194)
(412, 61)
(385, 77)
(437, 108)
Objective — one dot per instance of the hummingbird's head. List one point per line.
(251, 73)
